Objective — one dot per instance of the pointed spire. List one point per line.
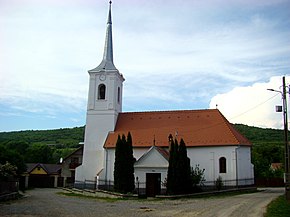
(107, 62)
(109, 15)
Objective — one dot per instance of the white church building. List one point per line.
(212, 142)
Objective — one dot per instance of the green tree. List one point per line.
(263, 156)
(219, 183)
(7, 171)
(171, 172)
(13, 157)
(179, 171)
(184, 184)
(19, 146)
(197, 178)
(130, 165)
(124, 165)
(39, 154)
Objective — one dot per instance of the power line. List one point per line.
(256, 106)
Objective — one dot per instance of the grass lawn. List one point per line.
(278, 208)
(107, 199)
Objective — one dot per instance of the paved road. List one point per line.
(45, 202)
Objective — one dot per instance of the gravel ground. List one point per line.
(46, 202)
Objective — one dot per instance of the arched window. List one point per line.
(119, 94)
(223, 165)
(102, 91)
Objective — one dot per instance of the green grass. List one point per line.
(106, 199)
(220, 194)
(278, 208)
(206, 196)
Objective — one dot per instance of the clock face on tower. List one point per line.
(102, 77)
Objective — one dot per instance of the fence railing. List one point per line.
(140, 187)
(7, 187)
(227, 184)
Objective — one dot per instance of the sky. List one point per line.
(174, 55)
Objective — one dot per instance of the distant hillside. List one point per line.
(261, 135)
(68, 137)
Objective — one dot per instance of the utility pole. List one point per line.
(286, 140)
(285, 117)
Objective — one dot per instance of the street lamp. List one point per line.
(285, 118)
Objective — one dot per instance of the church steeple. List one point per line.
(107, 62)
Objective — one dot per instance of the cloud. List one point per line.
(252, 105)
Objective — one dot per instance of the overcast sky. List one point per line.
(174, 55)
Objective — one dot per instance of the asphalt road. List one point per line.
(46, 202)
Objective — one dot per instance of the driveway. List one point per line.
(46, 202)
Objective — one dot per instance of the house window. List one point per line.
(102, 91)
(223, 165)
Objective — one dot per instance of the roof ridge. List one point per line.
(158, 149)
(169, 111)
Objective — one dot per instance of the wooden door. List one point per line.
(153, 184)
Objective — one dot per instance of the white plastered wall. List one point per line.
(206, 157)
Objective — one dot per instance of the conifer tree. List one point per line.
(124, 165)
(179, 170)
(183, 170)
(175, 166)
(170, 171)
(130, 164)
(172, 181)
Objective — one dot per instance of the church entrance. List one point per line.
(153, 184)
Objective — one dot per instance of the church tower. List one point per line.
(104, 105)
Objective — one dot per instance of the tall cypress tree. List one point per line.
(170, 171)
(183, 170)
(179, 170)
(124, 165)
(172, 181)
(175, 167)
(130, 164)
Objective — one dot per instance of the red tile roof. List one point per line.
(276, 166)
(196, 127)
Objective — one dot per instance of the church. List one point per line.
(212, 142)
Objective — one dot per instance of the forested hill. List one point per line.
(261, 135)
(67, 137)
